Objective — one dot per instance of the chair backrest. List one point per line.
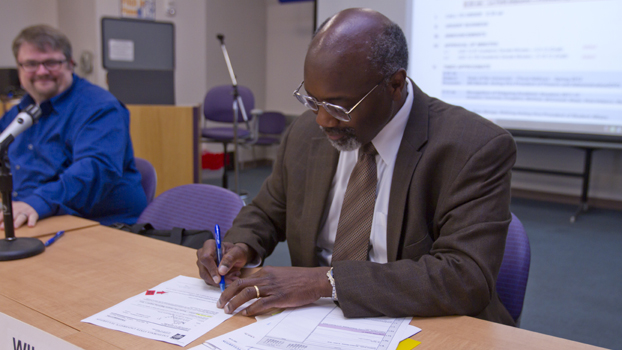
(272, 123)
(512, 280)
(194, 207)
(218, 103)
(149, 179)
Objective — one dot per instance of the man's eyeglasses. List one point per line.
(32, 66)
(338, 112)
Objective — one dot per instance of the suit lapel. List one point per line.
(321, 169)
(408, 155)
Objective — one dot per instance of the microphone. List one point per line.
(22, 121)
(221, 38)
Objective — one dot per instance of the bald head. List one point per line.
(356, 60)
(360, 38)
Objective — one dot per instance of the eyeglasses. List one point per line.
(51, 65)
(338, 112)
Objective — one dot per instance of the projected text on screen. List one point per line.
(531, 65)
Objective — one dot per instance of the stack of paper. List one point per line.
(320, 325)
(182, 309)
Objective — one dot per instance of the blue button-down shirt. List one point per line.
(78, 158)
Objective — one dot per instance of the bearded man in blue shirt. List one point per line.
(78, 158)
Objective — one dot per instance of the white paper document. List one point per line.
(121, 50)
(177, 311)
(320, 325)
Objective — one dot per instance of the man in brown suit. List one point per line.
(442, 199)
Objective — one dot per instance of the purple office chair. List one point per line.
(193, 207)
(270, 127)
(512, 280)
(218, 107)
(149, 178)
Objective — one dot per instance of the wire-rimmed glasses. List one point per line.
(336, 111)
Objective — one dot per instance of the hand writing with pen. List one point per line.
(273, 287)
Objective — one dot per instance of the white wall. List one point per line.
(395, 10)
(190, 55)
(15, 15)
(76, 18)
(243, 23)
(103, 8)
(289, 31)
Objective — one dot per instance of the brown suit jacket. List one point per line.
(447, 220)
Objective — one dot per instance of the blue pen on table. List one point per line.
(53, 239)
(219, 252)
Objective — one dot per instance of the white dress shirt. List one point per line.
(387, 143)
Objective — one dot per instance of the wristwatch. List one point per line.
(331, 279)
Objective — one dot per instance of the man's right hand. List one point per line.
(23, 213)
(235, 257)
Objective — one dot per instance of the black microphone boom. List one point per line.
(12, 248)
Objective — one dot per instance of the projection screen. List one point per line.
(535, 67)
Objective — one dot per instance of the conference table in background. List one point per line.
(93, 267)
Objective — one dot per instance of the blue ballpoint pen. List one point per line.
(219, 252)
(53, 239)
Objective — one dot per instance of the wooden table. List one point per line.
(87, 271)
(94, 268)
(51, 225)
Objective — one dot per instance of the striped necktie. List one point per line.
(357, 212)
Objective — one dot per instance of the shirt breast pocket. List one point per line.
(55, 155)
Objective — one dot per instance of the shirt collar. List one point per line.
(47, 107)
(388, 140)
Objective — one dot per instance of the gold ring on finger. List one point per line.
(257, 290)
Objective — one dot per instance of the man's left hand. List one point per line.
(279, 287)
(22, 213)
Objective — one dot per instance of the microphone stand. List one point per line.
(238, 105)
(11, 247)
